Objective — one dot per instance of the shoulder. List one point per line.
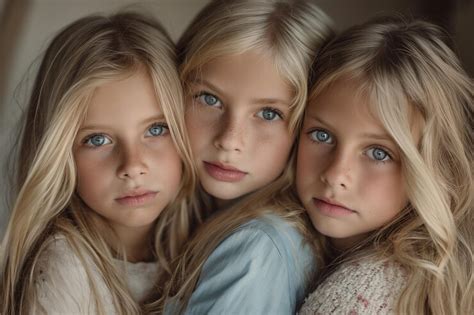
(275, 228)
(263, 265)
(361, 286)
(58, 259)
(266, 238)
(278, 235)
(63, 280)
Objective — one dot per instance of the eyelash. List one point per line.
(91, 146)
(196, 96)
(162, 125)
(278, 112)
(205, 93)
(385, 150)
(89, 137)
(321, 130)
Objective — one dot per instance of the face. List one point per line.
(348, 170)
(237, 114)
(128, 168)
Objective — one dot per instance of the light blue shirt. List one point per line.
(264, 267)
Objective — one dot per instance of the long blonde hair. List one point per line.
(407, 67)
(87, 53)
(290, 33)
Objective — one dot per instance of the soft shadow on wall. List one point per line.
(456, 16)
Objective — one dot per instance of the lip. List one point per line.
(223, 172)
(137, 197)
(332, 208)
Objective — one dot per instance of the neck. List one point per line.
(343, 244)
(223, 204)
(136, 241)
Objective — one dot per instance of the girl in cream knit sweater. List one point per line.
(104, 171)
(385, 172)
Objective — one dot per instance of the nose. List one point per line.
(230, 136)
(132, 164)
(338, 171)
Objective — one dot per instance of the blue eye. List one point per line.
(97, 140)
(378, 154)
(157, 130)
(269, 114)
(321, 136)
(209, 99)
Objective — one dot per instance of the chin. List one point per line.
(222, 192)
(139, 224)
(142, 219)
(224, 195)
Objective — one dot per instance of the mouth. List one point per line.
(223, 172)
(332, 208)
(137, 197)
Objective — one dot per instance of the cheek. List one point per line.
(384, 186)
(272, 134)
(200, 127)
(169, 167)
(303, 167)
(310, 162)
(89, 184)
(274, 146)
(92, 169)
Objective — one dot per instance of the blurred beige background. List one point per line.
(27, 26)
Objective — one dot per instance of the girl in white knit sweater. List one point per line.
(103, 171)
(385, 172)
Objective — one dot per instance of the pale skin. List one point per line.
(237, 118)
(349, 174)
(127, 165)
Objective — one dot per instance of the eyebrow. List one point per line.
(147, 121)
(367, 135)
(208, 84)
(258, 101)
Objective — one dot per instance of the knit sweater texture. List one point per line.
(62, 285)
(364, 286)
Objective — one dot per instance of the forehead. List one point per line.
(349, 99)
(250, 73)
(342, 105)
(124, 98)
(343, 96)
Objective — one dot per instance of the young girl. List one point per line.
(245, 66)
(100, 204)
(385, 172)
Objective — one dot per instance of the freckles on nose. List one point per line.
(337, 171)
(131, 158)
(230, 135)
(229, 130)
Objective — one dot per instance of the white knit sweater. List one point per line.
(62, 285)
(366, 286)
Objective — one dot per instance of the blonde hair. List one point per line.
(289, 33)
(87, 53)
(407, 67)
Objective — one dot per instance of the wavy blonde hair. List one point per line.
(288, 32)
(407, 67)
(86, 54)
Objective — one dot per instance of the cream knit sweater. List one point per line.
(366, 286)
(62, 286)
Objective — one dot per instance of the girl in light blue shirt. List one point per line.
(245, 67)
